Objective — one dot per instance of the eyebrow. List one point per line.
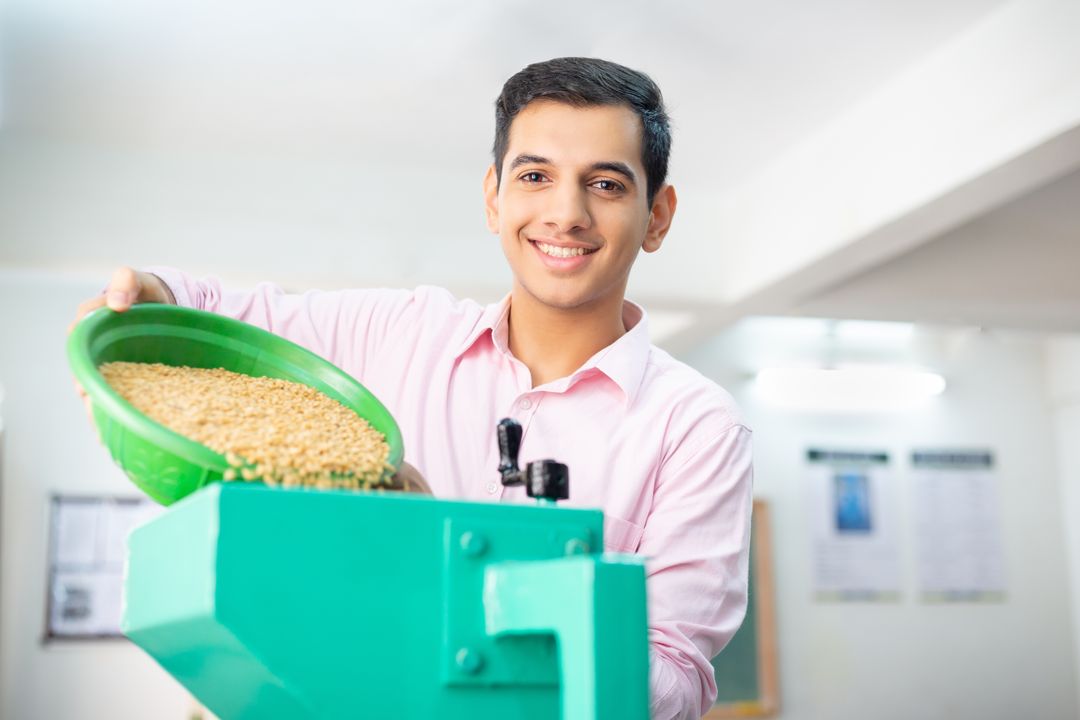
(610, 165)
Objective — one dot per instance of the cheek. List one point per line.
(628, 231)
(514, 216)
(508, 241)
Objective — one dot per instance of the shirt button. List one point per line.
(492, 487)
(525, 404)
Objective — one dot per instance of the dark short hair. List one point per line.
(583, 82)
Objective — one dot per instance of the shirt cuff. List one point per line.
(174, 280)
(663, 686)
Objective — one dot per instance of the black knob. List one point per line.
(509, 436)
(547, 479)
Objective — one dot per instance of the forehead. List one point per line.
(571, 135)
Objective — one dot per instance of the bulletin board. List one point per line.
(746, 670)
(87, 547)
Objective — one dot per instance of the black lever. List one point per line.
(509, 434)
(543, 479)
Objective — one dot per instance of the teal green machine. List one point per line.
(284, 603)
(272, 603)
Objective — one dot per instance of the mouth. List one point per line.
(562, 251)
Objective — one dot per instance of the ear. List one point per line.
(491, 199)
(663, 210)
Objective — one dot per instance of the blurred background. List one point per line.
(892, 186)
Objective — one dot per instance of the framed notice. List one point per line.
(87, 547)
(851, 499)
(958, 526)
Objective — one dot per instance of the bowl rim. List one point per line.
(114, 405)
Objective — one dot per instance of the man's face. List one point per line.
(571, 207)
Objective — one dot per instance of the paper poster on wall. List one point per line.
(87, 545)
(851, 500)
(957, 526)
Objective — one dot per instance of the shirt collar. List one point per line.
(623, 361)
(493, 320)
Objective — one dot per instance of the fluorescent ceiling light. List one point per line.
(847, 389)
(866, 331)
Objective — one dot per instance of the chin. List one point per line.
(560, 298)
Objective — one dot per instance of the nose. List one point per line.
(567, 209)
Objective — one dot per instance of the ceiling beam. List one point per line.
(990, 116)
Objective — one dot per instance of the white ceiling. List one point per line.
(288, 141)
(416, 79)
(342, 142)
(1017, 266)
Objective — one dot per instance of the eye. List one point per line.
(532, 177)
(608, 186)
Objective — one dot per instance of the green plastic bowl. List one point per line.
(164, 464)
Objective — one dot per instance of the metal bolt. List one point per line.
(576, 546)
(469, 661)
(473, 544)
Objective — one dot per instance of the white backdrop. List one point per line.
(896, 661)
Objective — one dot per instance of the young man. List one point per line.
(576, 189)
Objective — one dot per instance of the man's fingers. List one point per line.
(411, 480)
(122, 292)
(123, 289)
(85, 399)
(85, 307)
(89, 408)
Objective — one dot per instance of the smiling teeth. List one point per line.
(561, 252)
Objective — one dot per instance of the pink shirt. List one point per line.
(660, 448)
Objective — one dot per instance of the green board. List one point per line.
(745, 670)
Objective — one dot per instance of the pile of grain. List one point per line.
(272, 430)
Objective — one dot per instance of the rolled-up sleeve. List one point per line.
(347, 327)
(696, 542)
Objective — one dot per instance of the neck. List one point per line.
(554, 342)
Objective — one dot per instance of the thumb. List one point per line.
(123, 289)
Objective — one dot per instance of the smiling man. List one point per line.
(576, 190)
(573, 206)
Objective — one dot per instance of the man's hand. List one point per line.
(410, 480)
(128, 287)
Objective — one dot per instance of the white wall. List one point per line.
(49, 447)
(1064, 390)
(907, 660)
